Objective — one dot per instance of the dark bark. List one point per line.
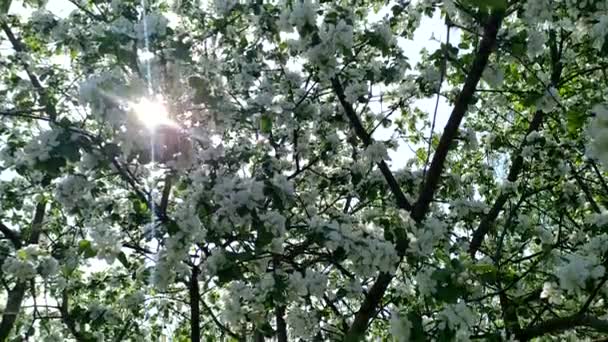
(17, 293)
(281, 325)
(518, 162)
(461, 105)
(561, 324)
(402, 201)
(418, 211)
(195, 314)
(44, 98)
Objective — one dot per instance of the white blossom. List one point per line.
(73, 192)
(354, 91)
(48, 267)
(384, 32)
(376, 152)
(223, 7)
(575, 270)
(551, 292)
(106, 241)
(156, 26)
(303, 13)
(20, 269)
(457, 317)
(400, 327)
(301, 323)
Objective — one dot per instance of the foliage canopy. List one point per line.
(268, 207)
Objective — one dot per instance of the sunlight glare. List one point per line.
(152, 113)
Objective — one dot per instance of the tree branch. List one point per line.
(10, 234)
(67, 318)
(281, 325)
(42, 93)
(460, 108)
(517, 166)
(556, 325)
(217, 322)
(402, 201)
(376, 293)
(164, 201)
(195, 314)
(16, 294)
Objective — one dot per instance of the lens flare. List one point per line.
(152, 112)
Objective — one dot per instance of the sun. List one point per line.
(152, 112)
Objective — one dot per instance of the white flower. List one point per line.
(376, 152)
(224, 7)
(470, 136)
(215, 261)
(316, 283)
(267, 282)
(598, 132)
(40, 147)
(54, 337)
(106, 241)
(423, 239)
(303, 13)
(549, 101)
(545, 235)
(493, 76)
(283, 184)
(536, 42)
(48, 267)
(576, 270)
(163, 274)
(135, 299)
(343, 34)
(431, 76)
(124, 26)
(275, 222)
(302, 323)
(400, 327)
(73, 192)
(508, 187)
(533, 137)
(297, 284)
(30, 251)
(384, 32)
(425, 283)
(20, 269)
(186, 216)
(89, 161)
(42, 19)
(551, 292)
(456, 316)
(354, 91)
(599, 31)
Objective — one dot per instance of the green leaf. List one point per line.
(576, 120)
(229, 272)
(421, 154)
(22, 254)
(417, 330)
(266, 329)
(84, 245)
(86, 248)
(172, 228)
(122, 257)
(69, 150)
(531, 99)
(266, 124)
(5, 5)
